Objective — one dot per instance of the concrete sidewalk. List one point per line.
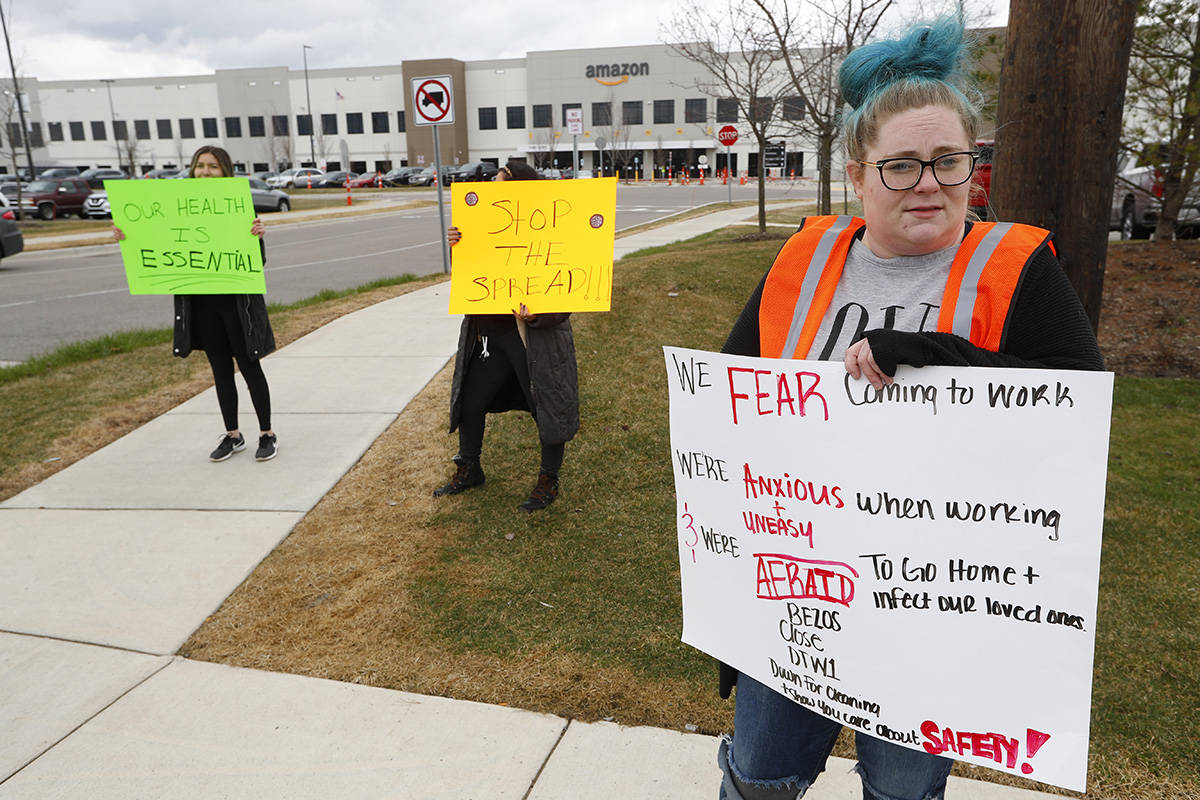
(112, 563)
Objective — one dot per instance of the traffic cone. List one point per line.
(743, 180)
(348, 200)
(669, 176)
(310, 180)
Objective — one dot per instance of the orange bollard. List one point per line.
(310, 180)
(668, 177)
(348, 201)
(743, 180)
(701, 177)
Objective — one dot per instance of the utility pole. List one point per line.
(108, 82)
(312, 118)
(17, 94)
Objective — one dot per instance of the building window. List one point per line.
(760, 109)
(35, 134)
(601, 114)
(98, 132)
(120, 130)
(727, 109)
(792, 107)
(379, 122)
(56, 132)
(631, 112)
(209, 124)
(329, 124)
(141, 129)
(258, 126)
(279, 125)
(516, 117)
(304, 124)
(543, 116)
(76, 131)
(354, 122)
(566, 106)
(187, 128)
(400, 122)
(664, 112)
(233, 127)
(487, 118)
(695, 110)
(164, 128)
(14, 132)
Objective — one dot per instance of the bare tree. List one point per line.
(811, 51)
(1062, 91)
(1164, 94)
(131, 147)
(732, 48)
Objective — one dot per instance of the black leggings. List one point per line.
(220, 333)
(485, 379)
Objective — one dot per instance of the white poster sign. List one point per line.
(919, 563)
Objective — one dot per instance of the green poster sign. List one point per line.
(188, 236)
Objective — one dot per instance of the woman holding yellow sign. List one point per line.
(509, 361)
(228, 327)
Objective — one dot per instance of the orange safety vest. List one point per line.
(984, 276)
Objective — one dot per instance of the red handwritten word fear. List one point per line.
(783, 393)
(995, 746)
(784, 577)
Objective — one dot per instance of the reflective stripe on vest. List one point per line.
(788, 318)
(983, 279)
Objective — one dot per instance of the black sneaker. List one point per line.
(543, 493)
(227, 447)
(268, 446)
(468, 475)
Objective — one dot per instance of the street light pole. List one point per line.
(108, 82)
(312, 118)
(17, 94)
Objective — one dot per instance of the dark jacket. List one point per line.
(252, 313)
(553, 392)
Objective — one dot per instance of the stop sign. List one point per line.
(727, 135)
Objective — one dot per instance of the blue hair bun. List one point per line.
(933, 51)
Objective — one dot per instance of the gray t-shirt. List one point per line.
(902, 293)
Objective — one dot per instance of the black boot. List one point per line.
(468, 475)
(543, 493)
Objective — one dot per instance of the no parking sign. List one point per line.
(433, 101)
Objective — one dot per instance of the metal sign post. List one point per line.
(727, 136)
(574, 127)
(433, 104)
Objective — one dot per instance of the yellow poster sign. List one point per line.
(547, 244)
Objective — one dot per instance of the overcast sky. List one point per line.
(83, 39)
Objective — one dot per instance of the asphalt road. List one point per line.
(55, 297)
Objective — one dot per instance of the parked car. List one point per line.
(11, 239)
(267, 199)
(166, 172)
(97, 176)
(550, 173)
(1137, 201)
(295, 178)
(366, 180)
(474, 171)
(55, 197)
(447, 171)
(400, 175)
(979, 199)
(96, 205)
(425, 177)
(263, 175)
(58, 172)
(334, 179)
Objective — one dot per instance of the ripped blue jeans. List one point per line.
(779, 748)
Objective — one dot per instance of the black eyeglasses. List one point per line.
(901, 174)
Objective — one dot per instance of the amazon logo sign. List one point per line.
(615, 74)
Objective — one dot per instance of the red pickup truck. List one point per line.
(55, 197)
(981, 181)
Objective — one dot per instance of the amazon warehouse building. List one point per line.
(641, 110)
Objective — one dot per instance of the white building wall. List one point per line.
(497, 84)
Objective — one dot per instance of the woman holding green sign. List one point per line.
(228, 327)
(510, 361)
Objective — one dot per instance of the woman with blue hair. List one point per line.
(911, 282)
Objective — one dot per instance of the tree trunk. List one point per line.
(762, 184)
(1058, 125)
(825, 167)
